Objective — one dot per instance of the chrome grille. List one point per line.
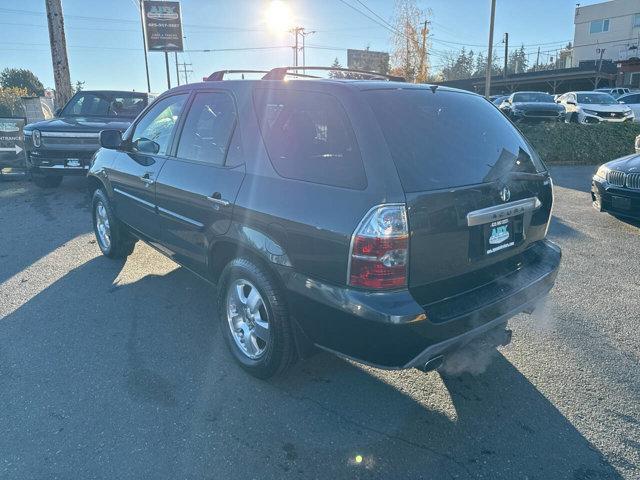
(633, 181)
(616, 178)
(70, 141)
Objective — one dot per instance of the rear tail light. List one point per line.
(380, 249)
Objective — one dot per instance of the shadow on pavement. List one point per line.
(100, 378)
(58, 215)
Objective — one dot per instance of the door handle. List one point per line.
(218, 200)
(146, 178)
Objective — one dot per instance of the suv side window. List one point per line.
(152, 134)
(208, 128)
(309, 137)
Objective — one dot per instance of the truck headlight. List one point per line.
(602, 172)
(589, 112)
(628, 113)
(36, 138)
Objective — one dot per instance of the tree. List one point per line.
(518, 61)
(79, 86)
(410, 57)
(481, 65)
(21, 78)
(459, 66)
(11, 103)
(336, 74)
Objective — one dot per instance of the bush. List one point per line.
(570, 143)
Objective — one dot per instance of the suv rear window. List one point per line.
(308, 137)
(448, 139)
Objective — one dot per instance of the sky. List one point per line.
(105, 43)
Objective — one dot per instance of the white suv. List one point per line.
(594, 107)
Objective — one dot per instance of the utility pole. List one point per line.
(144, 47)
(166, 64)
(506, 54)
(296, 31)
(175, 54)
(59, 58)
(487, 82)
(422, 71)
(599, 67)
(537, 60)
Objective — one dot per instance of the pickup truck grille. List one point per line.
(50, 141)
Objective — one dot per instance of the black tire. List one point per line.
(47, 181)
(280, 351)
(121, 243)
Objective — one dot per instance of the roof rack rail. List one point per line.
(219, 75)
(280, 73)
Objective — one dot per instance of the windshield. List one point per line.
(596, 98)
(105, 104)
(449, 139)
(532, 97)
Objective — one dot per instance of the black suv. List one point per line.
(64, 145)
(387, 222)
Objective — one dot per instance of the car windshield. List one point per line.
(532, 97)
(105, 104)
(596, 98)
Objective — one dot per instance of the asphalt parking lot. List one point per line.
(118, 370)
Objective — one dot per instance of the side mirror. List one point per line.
(111, 139)
(144, 145)
(57, 112)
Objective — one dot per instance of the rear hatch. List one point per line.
(477, 194)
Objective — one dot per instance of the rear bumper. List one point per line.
(605, 198)
(391, 330)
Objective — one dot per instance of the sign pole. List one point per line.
(166, 62)
(144, 46)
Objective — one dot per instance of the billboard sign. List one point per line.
(12, 154)
(368, 60)
(162, 26)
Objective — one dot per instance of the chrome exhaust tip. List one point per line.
(433, 364)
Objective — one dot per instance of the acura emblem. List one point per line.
(505, 194)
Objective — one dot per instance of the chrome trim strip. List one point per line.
(506, 210)
(63, 167)
(181, 217)
(70, 134)
(133, 197)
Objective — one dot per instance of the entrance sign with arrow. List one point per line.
(12, 154)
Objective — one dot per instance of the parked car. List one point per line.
(367, 218)
(498, 99)
(614, 92)
(594, 107)
(615, 188)
(632, 100)
(637, 144)
(64, 145)
(533, 107)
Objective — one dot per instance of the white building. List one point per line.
(611, 28)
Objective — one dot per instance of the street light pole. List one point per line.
(144, 47)
(487, 82)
